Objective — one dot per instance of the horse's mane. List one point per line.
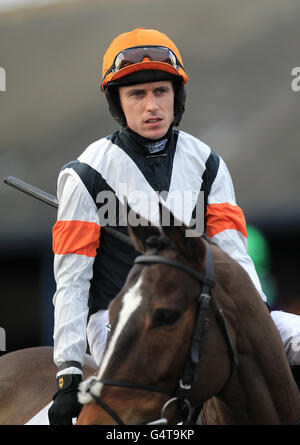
(158, 242)
(161, 242)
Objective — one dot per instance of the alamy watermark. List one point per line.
(2, 79)
(295, 84)
(2, 339)
(144, 208)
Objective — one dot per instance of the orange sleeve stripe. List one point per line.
(78, 237)
(225, 216)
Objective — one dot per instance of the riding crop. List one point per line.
(52, 201)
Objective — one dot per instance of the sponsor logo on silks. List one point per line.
(154, 147)
(60, 382)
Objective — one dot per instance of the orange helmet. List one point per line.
(139, 50)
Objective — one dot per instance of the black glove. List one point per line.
(65, 403)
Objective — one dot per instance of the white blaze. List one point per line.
(131, 301)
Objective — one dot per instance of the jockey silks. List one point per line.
(90, 265)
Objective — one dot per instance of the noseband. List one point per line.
(190, 372)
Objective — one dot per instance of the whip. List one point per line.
(52, 201)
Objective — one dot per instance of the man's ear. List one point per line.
(140, 229)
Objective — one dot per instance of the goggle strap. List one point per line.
(142, 57)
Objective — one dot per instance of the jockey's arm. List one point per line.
(226, 225)
(75, 242)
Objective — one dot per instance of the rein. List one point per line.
(190, 372)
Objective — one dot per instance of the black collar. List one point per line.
(144, 145)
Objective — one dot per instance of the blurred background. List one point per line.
(239, 56)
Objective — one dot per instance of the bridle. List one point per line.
(190, 372)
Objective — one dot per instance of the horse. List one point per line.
(191, 341)
(28, 382)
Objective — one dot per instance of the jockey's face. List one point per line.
(148, 107)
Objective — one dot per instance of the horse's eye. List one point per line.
(164, 317)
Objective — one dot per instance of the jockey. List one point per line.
(144, 83)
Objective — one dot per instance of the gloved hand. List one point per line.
(65, 403)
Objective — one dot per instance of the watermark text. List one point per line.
(2, 79)
(295, 84)
(2, 339)
(144, 208)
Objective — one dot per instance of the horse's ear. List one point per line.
(139, 228)
(173, 229)
(176, 231)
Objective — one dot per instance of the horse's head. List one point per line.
(153, 322)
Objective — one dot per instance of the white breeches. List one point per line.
(97, 331)
(287, 324)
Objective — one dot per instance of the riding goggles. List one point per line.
(131, 56)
